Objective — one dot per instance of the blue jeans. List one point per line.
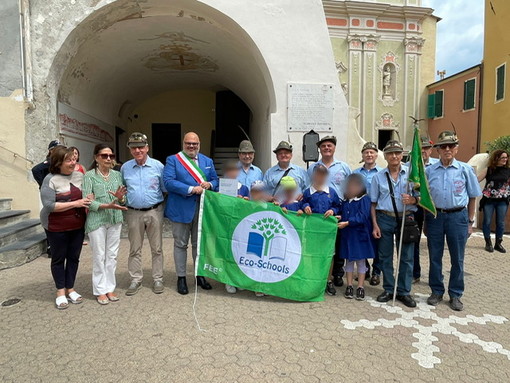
(491, 206)
(453, 227)
(389, 227)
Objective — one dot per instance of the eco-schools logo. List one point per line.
(266, 247)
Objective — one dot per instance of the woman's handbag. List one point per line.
(412, 232)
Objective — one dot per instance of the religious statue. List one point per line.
(387, 81)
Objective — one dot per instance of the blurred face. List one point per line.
(191, 144)
(425, 154)
(68, 164)
(320, 178)
(231, 173)
(140, 153)
(369, 156)
(246, 158)
(284, 157)
(105, 157)
(447, 152)
(393, 158)
(289, 194)
(503, 159)
(327, 149)
(353, 189)
(257, 195)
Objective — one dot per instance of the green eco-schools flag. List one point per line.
(256, 246)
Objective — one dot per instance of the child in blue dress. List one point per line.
(356, 225)
(321, 199)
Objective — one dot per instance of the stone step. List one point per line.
(23, 251)
(5, 204)
(19, 231)
(9, 217)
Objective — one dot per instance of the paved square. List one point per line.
(154, 338)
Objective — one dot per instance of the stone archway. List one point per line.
(121, 53)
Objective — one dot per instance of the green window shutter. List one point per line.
(500, 82)
(431, 106)
(439, 103)
(469, 94)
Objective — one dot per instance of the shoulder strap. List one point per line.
(392, 194)
(280, 180)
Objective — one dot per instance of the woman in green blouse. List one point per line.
(104, 221)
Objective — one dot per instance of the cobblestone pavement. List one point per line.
(154, 338)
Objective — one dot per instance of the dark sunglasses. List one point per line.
(105, 156)
(447, 146)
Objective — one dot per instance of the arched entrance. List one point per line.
(141, 66)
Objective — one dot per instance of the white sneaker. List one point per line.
(230, 289)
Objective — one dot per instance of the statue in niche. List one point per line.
(387, 78)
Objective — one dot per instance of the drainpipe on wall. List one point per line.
(26, 62)
(480, 111)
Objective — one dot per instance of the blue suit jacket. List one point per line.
(180, 206)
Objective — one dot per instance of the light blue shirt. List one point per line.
(274, 174)
(144, 183)
(380, 190)
(432, 161)
(338, 172)
(368, 174)
(453, 186)
(248, 177)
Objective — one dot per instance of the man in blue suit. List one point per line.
(186, 175)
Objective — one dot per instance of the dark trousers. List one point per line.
(65, 256)
(338, 263)
(418, 217)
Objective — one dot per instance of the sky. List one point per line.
(459, 33)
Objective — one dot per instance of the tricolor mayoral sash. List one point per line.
(192, 167)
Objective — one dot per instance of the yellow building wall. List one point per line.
(495, 115)
(193, 109)
(15, 175)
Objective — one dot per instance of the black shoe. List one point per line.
(434, 299)
(488, 245)
(338, 281)
(360, 294)
(407, 300)
(349, 292)
(182, 286)
(330, 289)
(385, 297)
(499, 247)
(48, 252)
(375, 280)
(456, 304)
(202, 282)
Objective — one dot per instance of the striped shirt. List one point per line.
(94, 183)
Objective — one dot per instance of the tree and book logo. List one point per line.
(266, 247)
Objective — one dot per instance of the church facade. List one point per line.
(97, 70)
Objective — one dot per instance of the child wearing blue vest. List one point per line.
(321, 199)
(231, 171)
(356, 224)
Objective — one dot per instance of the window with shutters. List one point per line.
(435, 104)
(469, 94)
(500, 82)
(438, 103)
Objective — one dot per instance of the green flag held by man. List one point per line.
(258, 247)
(417, 174)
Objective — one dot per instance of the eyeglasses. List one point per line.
(448, 146)
(105, 156)
(192, 143)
